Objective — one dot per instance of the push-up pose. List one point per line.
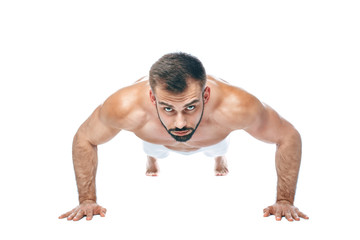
(180, 108)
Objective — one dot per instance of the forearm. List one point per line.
(85, 165)
(288, 158)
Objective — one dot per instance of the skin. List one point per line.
(227, 108)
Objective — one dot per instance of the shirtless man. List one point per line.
(180, 108)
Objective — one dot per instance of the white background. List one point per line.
(61, 59)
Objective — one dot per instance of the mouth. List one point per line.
(181, 133)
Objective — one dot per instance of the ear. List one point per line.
(152, 97)
(206, 94)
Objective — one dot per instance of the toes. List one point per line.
(221, 172)
(151, 174)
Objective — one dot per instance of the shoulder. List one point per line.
(123, 109)
(237, 107)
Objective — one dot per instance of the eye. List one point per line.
(167, 109)
(190, 108)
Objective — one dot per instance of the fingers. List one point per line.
(89, 214)
(65, 215)
(267, 212)
(76, 215)
(291, 213)
(80, 214)
(72, 215)
(288, 216)
(102, 212)
(89, 211)
(295, 216)
(302, 215)
(278, 216)
(270, 211)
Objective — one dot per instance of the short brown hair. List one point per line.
(173, 70)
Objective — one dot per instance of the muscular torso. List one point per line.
(216, 124)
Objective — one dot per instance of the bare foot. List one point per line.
(221, 166)
(152, 168)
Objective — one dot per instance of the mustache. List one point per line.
(180, 129)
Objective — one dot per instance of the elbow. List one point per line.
(290, 136)
(296, 137)
(294, 133)
(80, 139)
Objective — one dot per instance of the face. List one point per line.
(181, 114)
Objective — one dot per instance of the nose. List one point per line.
(180, 121)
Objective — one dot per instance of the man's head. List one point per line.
(179, 94)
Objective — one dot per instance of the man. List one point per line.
(179, 108)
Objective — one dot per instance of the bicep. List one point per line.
(96, 130)
(268, 125)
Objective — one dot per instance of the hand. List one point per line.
(284, 209)
(86, 208)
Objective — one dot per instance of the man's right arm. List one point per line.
(94, 131)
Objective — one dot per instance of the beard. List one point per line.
(184, 138)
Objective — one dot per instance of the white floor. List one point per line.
(59, 60)
(185, 202)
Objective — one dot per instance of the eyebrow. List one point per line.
(186, 105)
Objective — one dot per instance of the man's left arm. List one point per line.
(267, 125)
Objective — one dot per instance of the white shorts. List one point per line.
(160, 151)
